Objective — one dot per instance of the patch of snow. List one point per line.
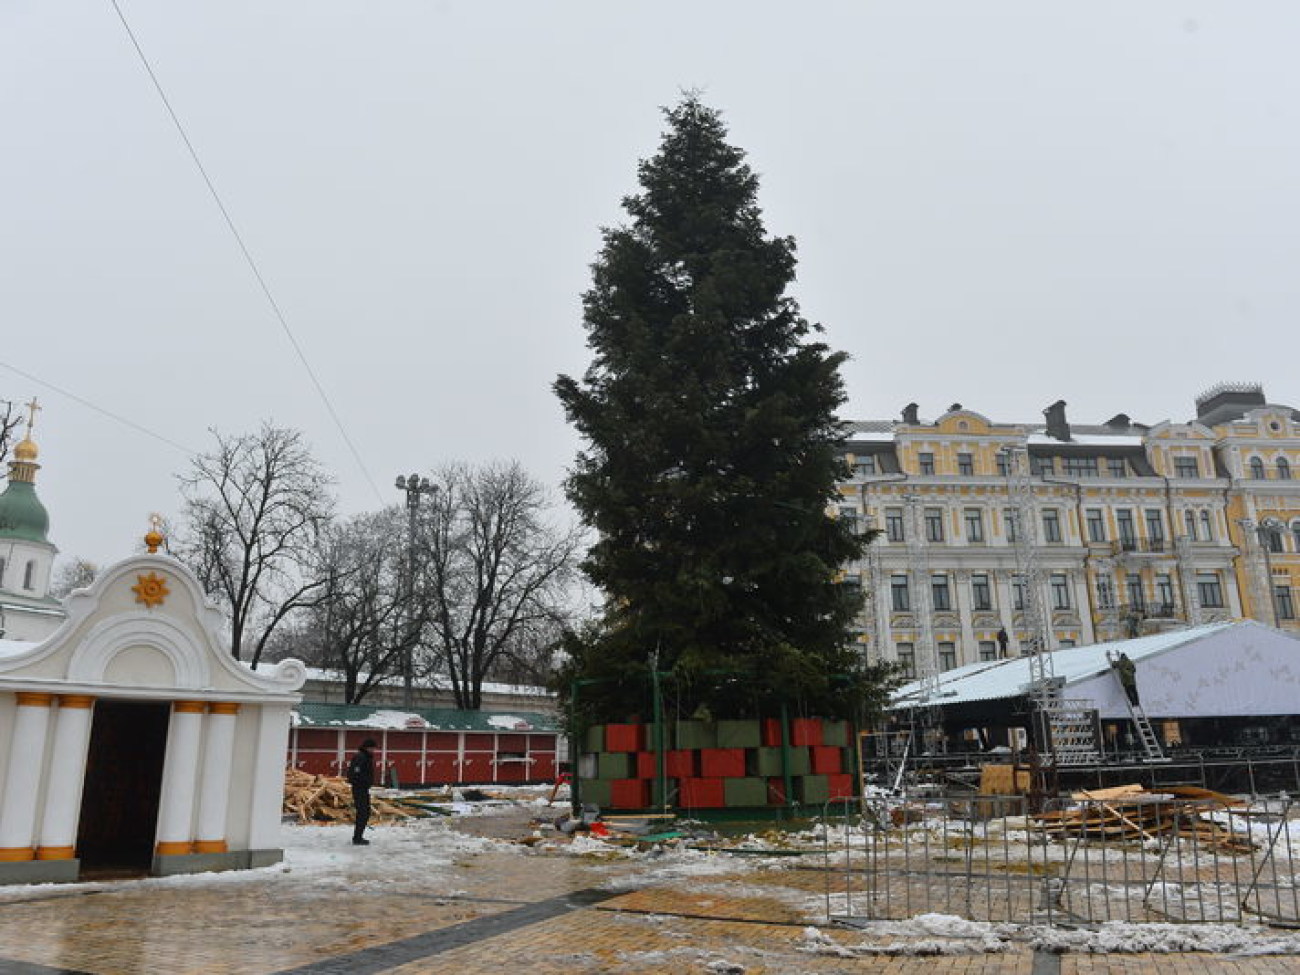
(15, 648)
(509, 722)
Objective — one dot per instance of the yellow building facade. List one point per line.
(1132, 528)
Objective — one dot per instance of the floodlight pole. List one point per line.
(414, 486)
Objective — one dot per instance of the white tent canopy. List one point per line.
(1234, 669)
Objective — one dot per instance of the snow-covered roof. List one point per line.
(1087, 440)
(12, 648)
(997, 679)
(415, 719)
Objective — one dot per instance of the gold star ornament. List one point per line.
(151, 590)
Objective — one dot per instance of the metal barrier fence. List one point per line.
(985, 858)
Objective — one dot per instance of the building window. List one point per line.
(1003, 467)
(2, 573)
(1164, 596)
(1052, 525)
(1209, 591)
(1105, 593)
(974, 525)
(1136, 598)
(1096, 525)
(1041, 466)
(947, 656)
(865, 466)
(1018, 594)
(981, 594)
(1080, 466)
(1257, 469)
(1283, 469)
(988, 650)
(1295, 540)
(1155, 531)
(1282, 602)
(1060, 586)
(927, 464)
(1065, 644)
(1186, 467)
(894, 524)
(899, 597)
(942, 594)
(1117, 467)
(1207, 531)
(1012, 517)
(1189, 522)
(1272, 540)
(965, 465)
(1127, 534)
(29, 576)
(907, 659)
(934, 524)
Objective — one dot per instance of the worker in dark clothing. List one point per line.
(1126, 670)
(361, 776)
(1003, 640)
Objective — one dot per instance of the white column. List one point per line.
(58, 837)
(22, 783)
(180, 779)
(258, 825)
(214, 797)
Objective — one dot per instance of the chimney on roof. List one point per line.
(1058, 428)
(1120, 421)
(909, 414)
(954, 408)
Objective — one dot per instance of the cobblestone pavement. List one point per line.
(530, 911)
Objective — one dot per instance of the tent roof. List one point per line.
(996, 679)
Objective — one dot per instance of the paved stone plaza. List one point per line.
(465, 896)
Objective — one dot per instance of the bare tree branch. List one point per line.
(495, 573)
(254, 509)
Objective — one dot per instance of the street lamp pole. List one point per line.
(414, 486)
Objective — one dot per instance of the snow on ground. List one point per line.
(939, 934)
(318, 858)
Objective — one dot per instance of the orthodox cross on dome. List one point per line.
(32, 407)
(154, 537)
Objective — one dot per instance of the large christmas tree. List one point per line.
(711, 453)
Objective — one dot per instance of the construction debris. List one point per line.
(1131, 812)
(328, 799)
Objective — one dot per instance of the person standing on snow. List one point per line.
(361, 776)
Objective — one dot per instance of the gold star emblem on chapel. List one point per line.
(151, 589)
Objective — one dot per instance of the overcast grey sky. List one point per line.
(996, 203)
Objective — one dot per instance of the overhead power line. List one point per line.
(248, 257)
(189, 451)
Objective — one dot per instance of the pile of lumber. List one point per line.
(1132, 812)
(328, 799)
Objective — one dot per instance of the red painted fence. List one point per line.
(426, 757)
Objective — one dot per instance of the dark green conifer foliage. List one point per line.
(711, 452)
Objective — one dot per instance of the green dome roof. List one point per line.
(22, 516)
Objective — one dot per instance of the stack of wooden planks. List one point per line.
(1131, 812)
(328, 799)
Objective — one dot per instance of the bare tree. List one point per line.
(255, 508)
(494, 573)
(9, 423)
(364, 619)
(76, 574)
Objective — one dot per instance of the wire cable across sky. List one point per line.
(248, 257)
